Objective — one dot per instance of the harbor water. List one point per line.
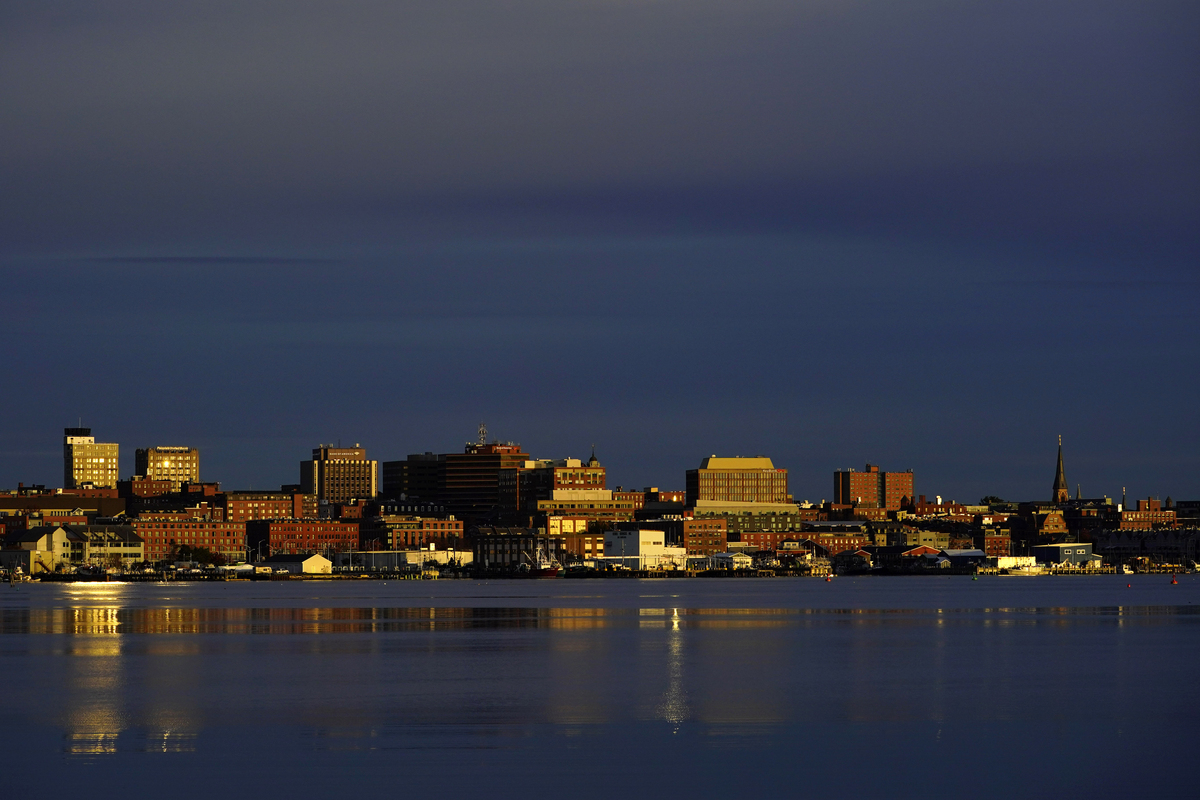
(856, 687)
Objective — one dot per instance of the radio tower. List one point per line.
(482, 433)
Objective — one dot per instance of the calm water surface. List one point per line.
(868, 687)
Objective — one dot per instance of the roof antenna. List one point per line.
(482, 433)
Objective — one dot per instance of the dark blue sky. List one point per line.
(930, 235)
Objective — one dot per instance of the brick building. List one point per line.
(1149, 514)
(140, 486)
(701, 537)
(872, 488)
(522, 487)
(249, 505)
(298, 536)
(163, 534)
(407, 532)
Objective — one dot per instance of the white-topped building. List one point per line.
(641, 549)
(87, 462)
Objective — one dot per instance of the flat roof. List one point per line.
(757, 462)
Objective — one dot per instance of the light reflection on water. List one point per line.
(440, 690)
(116, 620)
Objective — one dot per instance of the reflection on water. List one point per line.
(674, 707)
(115, 620)
(659, 684)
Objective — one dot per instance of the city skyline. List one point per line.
(676, 483)
(837, 233)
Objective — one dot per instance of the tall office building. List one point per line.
(737, 480)
(472, 477)
(339, 474)
(86, 462)
(178, 465)
(468, 483)
(872, 488)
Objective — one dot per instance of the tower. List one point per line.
(1061, 493)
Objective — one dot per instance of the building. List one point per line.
(995, 542)
(163, 537)
(87, 462)
(642, 549)
(468, 484)
(1073, 554)
(596, 505)
(250, 505)
(42, 548)
(1060, 493)
(963, 558)
(471, 479)
(64, 503)
(872, 488)
(110, 545)
(299, 564)
(142, 487)
(338, 474)
(179, 465)
(1180, 546)
(753, 518)
(508, 549)
(920, 507)
(293, 536)
(1148, 514)
(420, 478)
(699, 537)
(579, 541)
(737, 480)
(732, 561)
(409, 532)
(538, 480)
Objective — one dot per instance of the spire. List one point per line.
(1061, 493)
(592, 462)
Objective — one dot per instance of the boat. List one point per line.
(1024, 571)
(1124, 569)
(540, 565)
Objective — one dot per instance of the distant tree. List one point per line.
(990, 499)
(201, 555)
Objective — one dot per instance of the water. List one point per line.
(867, 687)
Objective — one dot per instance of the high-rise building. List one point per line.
(468, 484)
(88, 462)
(178, 465)
(737, 480)
(472, 477)
(872, 488)
(338, 474)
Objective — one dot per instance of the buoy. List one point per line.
(1173, 580)
(1129, 586)
(827, 580)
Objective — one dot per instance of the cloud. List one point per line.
(132, 122)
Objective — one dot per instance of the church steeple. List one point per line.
(1061, 493)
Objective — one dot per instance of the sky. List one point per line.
(928, 235)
